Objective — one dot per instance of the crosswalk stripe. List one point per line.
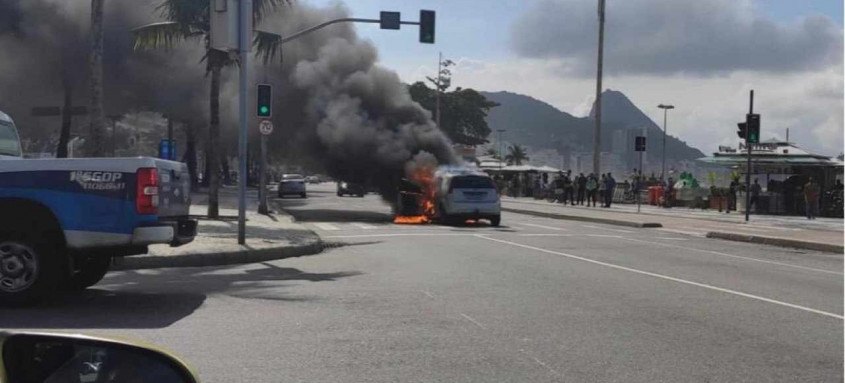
(363, 226)
(326, 226)
(542, 226)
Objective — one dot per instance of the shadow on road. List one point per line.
(158, 298)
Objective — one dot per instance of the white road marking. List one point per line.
(570, 235)
(542, 226)
(668, 278)
(605, 228)
(326, 226)
(540, 362)
(364, 226)
(673, 238)
(692, 233)
(469, 318)
(428, 294)
(431, 234)
(736, 256)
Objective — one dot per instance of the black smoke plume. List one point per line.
(336, 110)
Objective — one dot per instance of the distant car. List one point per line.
(312, 179)
(344, 188)
(466, 194)
(292, 184)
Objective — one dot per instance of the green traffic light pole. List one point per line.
(748, 168)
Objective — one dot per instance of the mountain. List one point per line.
(534, 123)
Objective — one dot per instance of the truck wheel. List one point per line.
(339, 194)
(89, 271)
(496, 220)
(30, 268)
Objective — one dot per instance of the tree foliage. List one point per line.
(516, 155)
(464, 112)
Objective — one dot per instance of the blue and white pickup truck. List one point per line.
(62, 220)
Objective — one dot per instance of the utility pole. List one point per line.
(244, 48)
(748, 168)
(597, 131)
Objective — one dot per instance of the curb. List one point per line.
(216, 258)
(608, 221)
(774, 241)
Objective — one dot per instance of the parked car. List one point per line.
(64, 219)
(350, 188)
(292, 184)
(312, 179)
(464, 194)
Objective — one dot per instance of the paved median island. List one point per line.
(269, 237)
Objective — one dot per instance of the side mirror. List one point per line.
(52, 358)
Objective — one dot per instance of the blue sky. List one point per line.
(689, 53)
(481, 28)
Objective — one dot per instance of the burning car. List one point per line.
(450, 195)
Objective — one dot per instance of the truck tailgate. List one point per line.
(174, 189)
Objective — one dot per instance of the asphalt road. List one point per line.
(535, 300)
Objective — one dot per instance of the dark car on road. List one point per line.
(350, 188)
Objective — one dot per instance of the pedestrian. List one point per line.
(591, 187)
(602, 188)
(755, 194)
(568, 188)
(732, 189)
(608, 190)
(811, 198)
(557, 185)
(582, 188)
(670, 192)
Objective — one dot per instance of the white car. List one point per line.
(292, 184)
(464, 194)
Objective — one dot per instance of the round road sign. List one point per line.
(265, 127)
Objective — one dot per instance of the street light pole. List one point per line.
(437, 94)
(597, 131)
(500, 131)
(663, 167)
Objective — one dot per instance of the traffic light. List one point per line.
(742, 129)
(753, 123)
(427, 27)
(639, 144)
(390, 20)
(265, 101)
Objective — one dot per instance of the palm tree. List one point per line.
(95, 144)
(492, 152)
(516, 154)
(189, 20)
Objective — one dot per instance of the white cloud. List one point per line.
(701, 37)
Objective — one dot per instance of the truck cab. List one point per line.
(63, 220)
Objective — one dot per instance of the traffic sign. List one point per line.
(265, 127)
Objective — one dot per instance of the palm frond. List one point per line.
(261, 8)
(161, 35)
(267, 46)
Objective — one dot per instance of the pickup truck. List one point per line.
(63, 220)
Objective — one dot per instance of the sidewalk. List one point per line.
(268, 237)
(823, 234)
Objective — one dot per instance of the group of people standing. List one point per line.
(583, 188)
